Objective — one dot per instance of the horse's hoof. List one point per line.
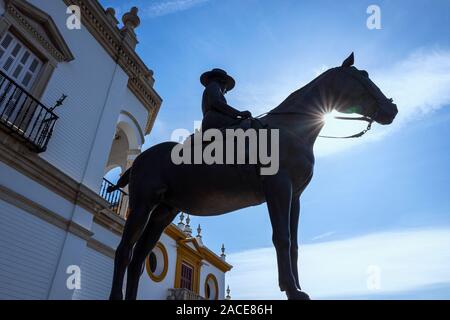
(297, 295)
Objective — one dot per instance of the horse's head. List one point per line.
(358, 94)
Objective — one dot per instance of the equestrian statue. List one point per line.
(160, 189)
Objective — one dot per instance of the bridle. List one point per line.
(369, 119)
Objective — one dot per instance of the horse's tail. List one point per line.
(123, 181)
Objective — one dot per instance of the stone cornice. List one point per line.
(39, 211)
(95, 19)
(101, 247)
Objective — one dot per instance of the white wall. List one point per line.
(97, 92)
(85, 80)
(29, 253)
(121, 99)
(105, 236)
(150, 290)
(96, 276)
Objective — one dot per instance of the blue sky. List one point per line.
(379, 201)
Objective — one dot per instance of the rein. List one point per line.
(356, 135)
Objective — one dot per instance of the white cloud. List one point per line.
(407, 259)
(419, 84)
(323, 236)
(155, 8)
(161, 8)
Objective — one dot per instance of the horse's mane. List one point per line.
(297, 96)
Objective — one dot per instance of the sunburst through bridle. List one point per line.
(369, 121)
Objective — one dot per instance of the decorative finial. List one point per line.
(187, 227)
(130, 19)
(223, 255)
(199, 236)
(111, 10)
(181, 223)
(228, 297)
(111, 15)
(130, 22)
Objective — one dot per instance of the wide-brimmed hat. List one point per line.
(218, 73)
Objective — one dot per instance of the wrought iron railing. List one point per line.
(183, 294)
(116, 199)
(24, 116)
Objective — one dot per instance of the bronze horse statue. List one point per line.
(159, 189)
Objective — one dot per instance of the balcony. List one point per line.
(24, 116)
(116, 199)
(183, 294)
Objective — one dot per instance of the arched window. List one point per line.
(211, 287)
(157, 263)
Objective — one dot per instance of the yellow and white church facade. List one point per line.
(76, 101)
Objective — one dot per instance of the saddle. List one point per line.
(244, 124)
(247, 169)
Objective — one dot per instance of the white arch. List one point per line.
(128, 124)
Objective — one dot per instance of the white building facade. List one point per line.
(75, 102)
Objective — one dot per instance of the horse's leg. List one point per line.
(294, 218)
(140, 207)
(278, 192)
(160, 218)
(294, 221)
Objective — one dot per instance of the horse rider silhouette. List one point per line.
(216, 111)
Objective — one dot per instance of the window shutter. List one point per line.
(186, 277)
(11, 57)
(18, 62)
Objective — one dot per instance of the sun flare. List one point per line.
(329, 117)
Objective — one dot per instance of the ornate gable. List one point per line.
(39, 26)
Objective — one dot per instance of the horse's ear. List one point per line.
(349, 61)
